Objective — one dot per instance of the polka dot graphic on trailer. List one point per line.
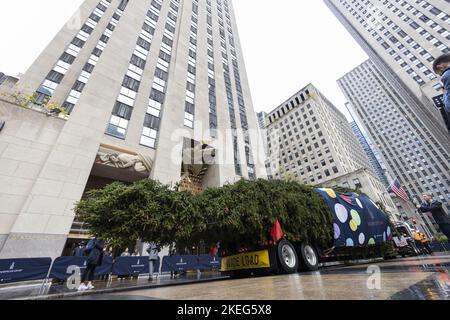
(337, 231)
(353, 225)
(359, 203)
(341, 212)
(361, 238)
(356, 217)
(331, 193)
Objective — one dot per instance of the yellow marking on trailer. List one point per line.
(245, 261)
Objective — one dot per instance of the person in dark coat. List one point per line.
(94, 259)
(153, 253)
(441, 67)
(439, 215)
(79, 250)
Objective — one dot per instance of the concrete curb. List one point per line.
(119, 289)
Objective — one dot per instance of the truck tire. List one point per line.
(309, 259)
(287, 257)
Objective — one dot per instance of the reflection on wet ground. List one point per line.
(421, 264)
(424, 278)
(141, 282)
(435, 287)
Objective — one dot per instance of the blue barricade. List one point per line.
(16, 270)
(179, 263)
(61, 265)
(131, 266)
(157, 265)
(207, 262)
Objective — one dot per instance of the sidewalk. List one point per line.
(61, 291)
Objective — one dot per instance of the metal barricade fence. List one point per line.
(63, 268)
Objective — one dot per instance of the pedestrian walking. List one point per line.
(94, 249)
(153, 251)
(439, 215)
(441, 67)
(173, 252)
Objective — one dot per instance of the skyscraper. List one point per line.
(261, 116)
(407, 145)
(376, 163)
(150, 88)
(310, 138)
(403, 38)
(261, 119)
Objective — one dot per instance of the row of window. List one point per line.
(296, 152)
(83, 78)
(229, 91)
(287, 151)
(211, 73)
(58, 72)
(189, 109)
(240, 96)
(123, 108)
(371, 21)
(158, 91)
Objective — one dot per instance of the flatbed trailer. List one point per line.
(361, 230)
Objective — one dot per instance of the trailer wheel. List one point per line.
(309, 258)
(287, 257)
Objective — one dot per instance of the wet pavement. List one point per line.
(423, 278)
(106, 287)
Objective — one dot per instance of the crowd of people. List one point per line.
(95, 250)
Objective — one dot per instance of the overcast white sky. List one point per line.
(286, 44)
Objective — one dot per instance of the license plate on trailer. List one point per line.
(245, 261)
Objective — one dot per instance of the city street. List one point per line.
(425, 278)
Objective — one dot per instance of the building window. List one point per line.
(357, 183)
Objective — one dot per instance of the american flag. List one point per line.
(399, 191)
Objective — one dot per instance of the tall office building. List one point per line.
(375, 160)
(261, 119)
(403, 38)
(311, 140)
(150, 88)
(407, 145)
(261, 116)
